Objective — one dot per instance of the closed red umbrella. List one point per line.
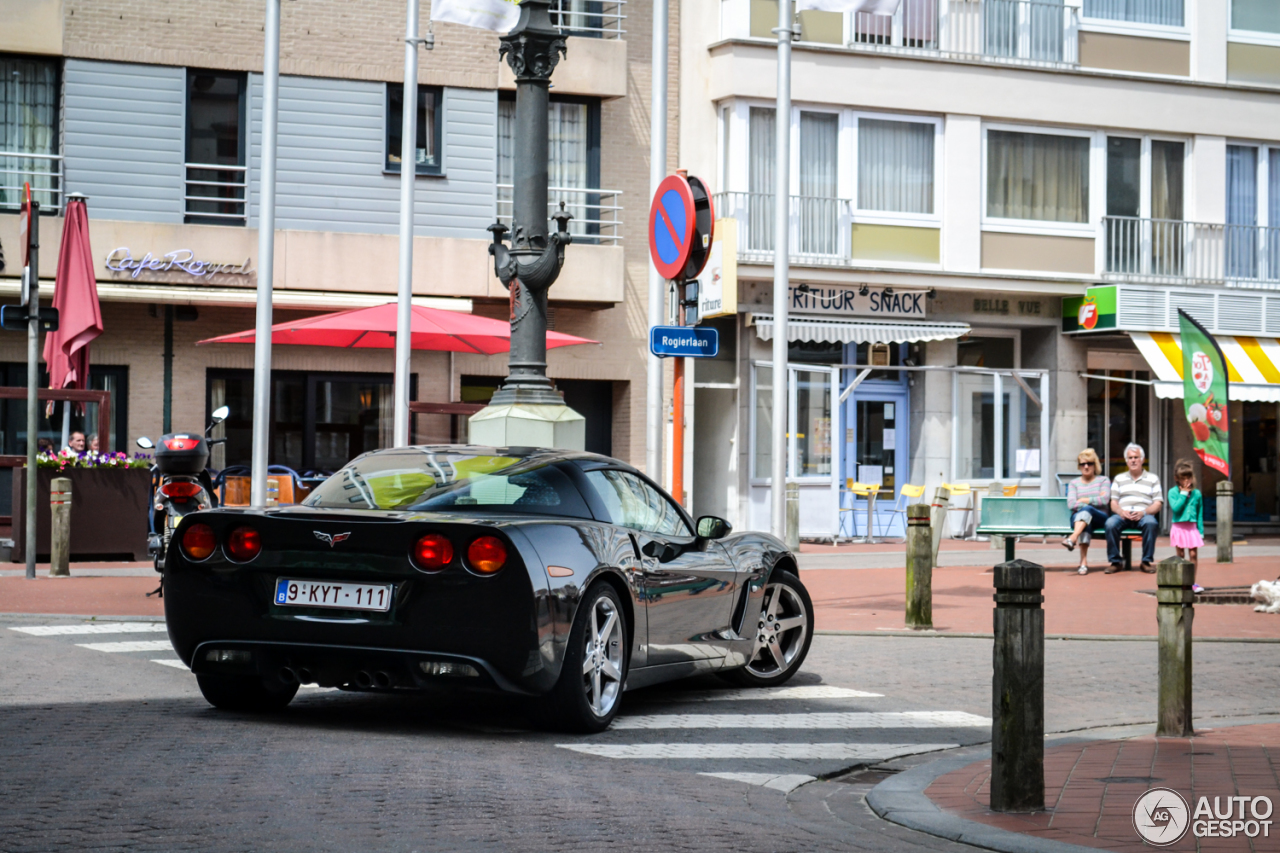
(75, 295)
(374, 328)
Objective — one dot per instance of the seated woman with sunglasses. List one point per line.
(1089, 497)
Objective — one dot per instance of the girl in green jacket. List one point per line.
(1187, 533)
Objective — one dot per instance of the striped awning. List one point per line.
(1253, 365)
(813, 329)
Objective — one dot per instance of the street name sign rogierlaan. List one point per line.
(684, 341)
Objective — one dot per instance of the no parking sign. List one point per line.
(681, 222)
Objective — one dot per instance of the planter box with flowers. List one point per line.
(110, 494)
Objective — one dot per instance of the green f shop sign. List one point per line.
(1204, 383)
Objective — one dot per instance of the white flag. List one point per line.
(871, 7)
(497, 15)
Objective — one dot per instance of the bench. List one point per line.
(1014, 517)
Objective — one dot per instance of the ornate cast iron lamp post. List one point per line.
(526, 410)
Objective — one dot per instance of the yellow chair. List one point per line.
(914, 493)
(1010, 491)
(960, 490)
(868, 492)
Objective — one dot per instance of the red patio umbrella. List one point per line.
(75, 295)
(374, 328)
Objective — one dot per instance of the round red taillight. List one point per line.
(244, 544)
(487, 555)
(198, 542)
(432, 552)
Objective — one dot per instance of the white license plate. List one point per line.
(343, 595)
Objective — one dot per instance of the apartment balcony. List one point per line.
(43, 172)
(1039, 33)
(589, 18)
(1172, 252)
(826, 232)
(216, 194)
(597, 213)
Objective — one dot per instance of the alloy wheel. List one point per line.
(781, 631)
(602, 661)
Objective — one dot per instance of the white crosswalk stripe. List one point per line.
(93, 628)
(842, 751)
(173, 662)
(830, 720)
(804, 691)
(785, 782)
(130, 646)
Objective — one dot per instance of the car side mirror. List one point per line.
(710, 527)
(145, 443)
(220, 414)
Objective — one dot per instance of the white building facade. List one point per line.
(960, 173)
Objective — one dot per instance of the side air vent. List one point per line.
(1198, 305)
(1273, 315)
(1142, 309)
(1240, 313)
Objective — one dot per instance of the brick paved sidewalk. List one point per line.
(94, 589)
(1091, 788)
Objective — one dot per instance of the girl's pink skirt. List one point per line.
(1185, 534)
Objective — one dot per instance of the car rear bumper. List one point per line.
(359, 667)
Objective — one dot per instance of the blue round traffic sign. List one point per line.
(671, 226)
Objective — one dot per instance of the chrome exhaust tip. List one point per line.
(382, 679)
(305, 676)
(363, 679)
(288, 676)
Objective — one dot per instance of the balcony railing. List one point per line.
(819, 228)
(597, 214)
(1165, 251)
(1039, 33)
(216, 194)
(42, 171)
(589, 18)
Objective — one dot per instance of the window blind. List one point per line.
(895, 166)
(1037, 176)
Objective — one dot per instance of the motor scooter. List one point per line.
(180, 482)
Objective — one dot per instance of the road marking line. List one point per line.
(841, 751)
(842, 720)
(173, 662)
(95, 628)
(807, 691)
(130, 646)
(786, 782)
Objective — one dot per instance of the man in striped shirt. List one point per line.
(1136, 499)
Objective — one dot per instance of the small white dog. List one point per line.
(1268, 592)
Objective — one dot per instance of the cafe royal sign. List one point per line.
(178, 261)
(879, 302)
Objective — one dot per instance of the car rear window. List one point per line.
(447, 481)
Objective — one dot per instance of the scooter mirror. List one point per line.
(221, 413)
(145, 443)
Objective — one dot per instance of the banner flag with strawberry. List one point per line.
(1204, 394)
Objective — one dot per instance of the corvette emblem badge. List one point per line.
(331, 538)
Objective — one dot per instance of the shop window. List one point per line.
(1167, 13)
(13, 420)
(1259, 16)
(999, 427)
(1037, 176)
(1117, 413)
(809, 440)
(216, 176)
(573, 168)
(319, 421)
(427, 150)
(1258, 439)
(29, 132)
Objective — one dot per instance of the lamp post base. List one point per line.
(529, 425)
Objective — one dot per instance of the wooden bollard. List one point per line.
(919, 568)
(1226, 513)
(1175, 610)
(793, 516)
(60, 530)
(941, 501)
(1017, 689)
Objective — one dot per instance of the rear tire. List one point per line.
(784, 630)
(245, 693)
(588, 693)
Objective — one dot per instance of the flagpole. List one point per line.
(657, 285)
(781, 274)
(266, 257)
(408, 175)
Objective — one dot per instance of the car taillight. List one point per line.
(487, 555)
(180, 490)
(244, 544)
(198, 542)
(433, 552)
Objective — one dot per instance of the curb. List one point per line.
(901, 798)
(1093, 638)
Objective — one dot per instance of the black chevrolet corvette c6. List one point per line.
(564, 576)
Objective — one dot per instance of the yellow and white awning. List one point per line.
(1253, 365)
